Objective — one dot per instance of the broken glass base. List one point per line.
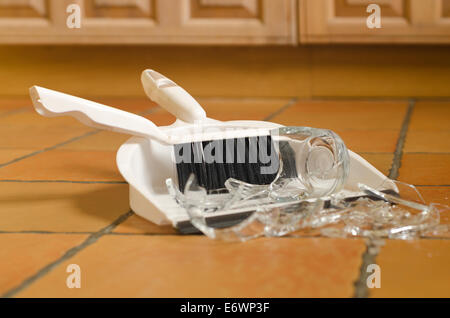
(252, 212)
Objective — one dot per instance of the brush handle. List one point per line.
(172, 97)
(51, 103)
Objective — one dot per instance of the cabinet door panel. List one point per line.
(120, 8)
(29, 21)
(246, 9)
(402, 21)
(265, 21)
(23, 8)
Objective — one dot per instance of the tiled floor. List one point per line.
(63, 201)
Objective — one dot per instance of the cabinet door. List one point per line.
(150, 21)
(102, 21)
(402, 21)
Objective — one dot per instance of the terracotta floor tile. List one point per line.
(138, 225)
(425, 169)
(7, 155)
(14, 102)
(195, 266)
(227, 109)
(430, 115)
(103, 140)
(429, 128)
(129, 104)
(37, 137)
(60, 207)
(23, 255)
(32, 118)
(427, 141)
(27, 129)
(12, 105)
(439, 195)
(381, 161)
(417, 268)
(435, 194)
(241, 109)
(65, 165)
(108, 140)
(161, 117)
(358, 115)
(369, 140)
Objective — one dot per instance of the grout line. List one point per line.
(398, 153)
(291, 102)
(443, 238)
(92, 233)
(63, 181)
(14, 111)
(69, 254)
(371, 253)
(150, 111)
(150, 234)
(432, 185)
(444, 99)
(90, 133)
(42, 232)
(363, 154)
(376, 98)
(310, 98)
(300, 236)
(427, 153)
(240, 99)
(366, 129)
(368, 258)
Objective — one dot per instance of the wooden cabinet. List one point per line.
(223, 21)
(402, 21)
(150, 21)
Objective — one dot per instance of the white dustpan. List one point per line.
(150, 199)
(145, 161)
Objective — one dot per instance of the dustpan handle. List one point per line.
(172, 97)
(51, 103)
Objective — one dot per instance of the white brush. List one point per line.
(51, 103)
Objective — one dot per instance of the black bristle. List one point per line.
(215, 161)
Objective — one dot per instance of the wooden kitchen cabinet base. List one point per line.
(323, 71)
